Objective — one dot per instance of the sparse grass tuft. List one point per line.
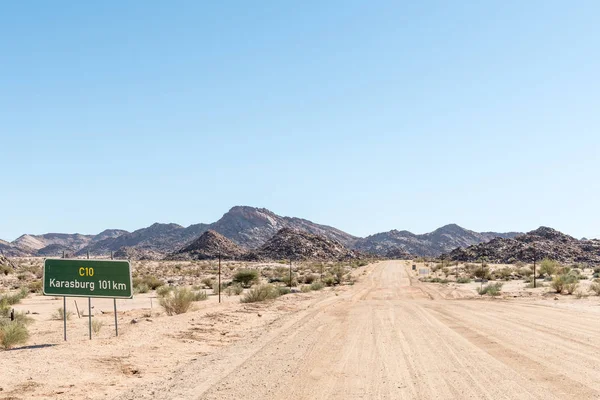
(59, 314)
(13, 333)
(97, 325)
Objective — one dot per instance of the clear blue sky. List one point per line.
(364, 115)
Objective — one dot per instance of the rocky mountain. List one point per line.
(53, 244)
(208, 247)
(431, 244)
(248, 227)
(251, 227)
(160, 238)
(294, 244)
(543, 242)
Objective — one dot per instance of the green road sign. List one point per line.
(87, 278)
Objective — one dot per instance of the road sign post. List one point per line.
(88, 278)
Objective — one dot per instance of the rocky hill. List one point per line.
(251, 227)
(159, 238)
(542, 242)
(52, 244)
(297, 245)
(248, 227)
(5, 262)
(208, 247)
(431, 244)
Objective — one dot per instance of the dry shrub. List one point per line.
(178, 301)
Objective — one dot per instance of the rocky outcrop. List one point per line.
(431, 244)
(298, 245)
(137, 253)
(208, 247)
(541, 243)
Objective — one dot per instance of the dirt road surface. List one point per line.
(392, 337)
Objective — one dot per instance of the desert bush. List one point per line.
(200, 295)
(525, 271)
(236, 290)
(283, 290)
(178, 301)
(246, 277)
(549, 267)
(208, 282)
(504, 273)
(329, 280)
(151, 281)
(567, 283)
(571, 286)
(463, 280)
(97, 325)
(519, 264)
(482, 273)
(260, 293)
(60, 314)
(338, 273)
(492, 289)
(163, 291)
(305, 288)
(35, 287)
(558, 283)
(5, 269)
(141, 288)
(595, 288)
(13, 333)
(318, 285)
(580, 294)
(310, 278)
(12, 299)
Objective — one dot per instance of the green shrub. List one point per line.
(178, 301)
(492, 289)
(329, 280)
(318, 285)
(13, 333)
(566, 283)
(260, 293)
(305, 288)
(463, 280)
(338, 273)
(549, 267)
(246, 277)
(310, 278)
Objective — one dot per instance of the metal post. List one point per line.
(90, 316)
(115, 306)
(290, 273)
(89, 307)
(116, 323)
(219, 274)
(65, 317)
(534, 260)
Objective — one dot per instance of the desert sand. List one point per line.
(389, 336)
